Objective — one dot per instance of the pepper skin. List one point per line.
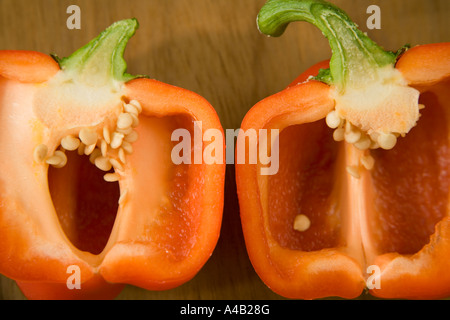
(153, 228)
(384, 228)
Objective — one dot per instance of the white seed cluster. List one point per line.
(98, 145)
(344, 130)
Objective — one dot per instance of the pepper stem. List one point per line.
(354, 55)
(101, 61)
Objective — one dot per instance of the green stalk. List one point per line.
(355, 59)
(101, 61)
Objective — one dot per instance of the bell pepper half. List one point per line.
(361, 200)
(90, 197)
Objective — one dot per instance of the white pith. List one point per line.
(95, 121)
(64, 102)
(374, 115)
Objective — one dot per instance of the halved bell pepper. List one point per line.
(90, 197)
(361, 198)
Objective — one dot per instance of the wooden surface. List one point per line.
(211, 47)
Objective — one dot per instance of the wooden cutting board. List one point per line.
(211, 47)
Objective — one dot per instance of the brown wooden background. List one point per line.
(211, 47)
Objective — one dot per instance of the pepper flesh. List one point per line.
(395, 217)
(156, 240)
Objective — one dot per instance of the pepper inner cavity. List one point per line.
(85, 204)
(81, 177)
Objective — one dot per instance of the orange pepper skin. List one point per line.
(423, 275)
(27, 66)
(94, 289)
(339, 269)
(27, 254)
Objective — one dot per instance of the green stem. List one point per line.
(355, 57)
(101, 61)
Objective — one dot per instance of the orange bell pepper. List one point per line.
(361, 198)
(67, 126)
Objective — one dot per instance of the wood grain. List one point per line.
(214, 49)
